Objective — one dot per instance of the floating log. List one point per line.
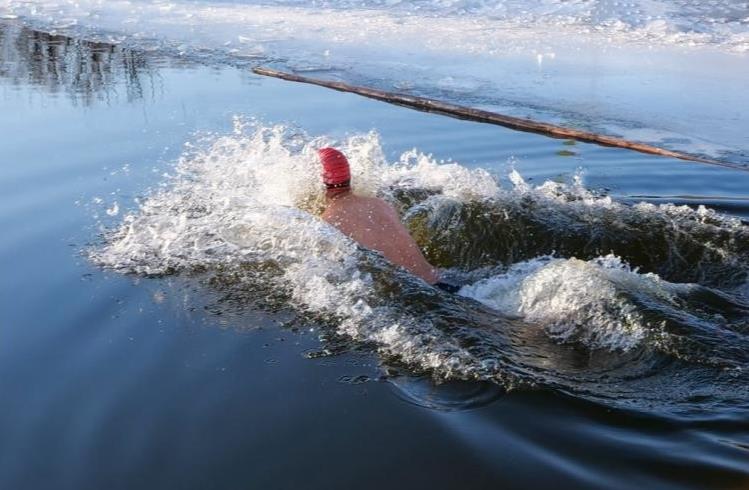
(468, 113)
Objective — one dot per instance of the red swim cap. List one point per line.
(336, 173)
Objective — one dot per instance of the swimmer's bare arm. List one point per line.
(375, 225)
(410, 256)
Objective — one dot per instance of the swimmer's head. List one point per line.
(336, 174)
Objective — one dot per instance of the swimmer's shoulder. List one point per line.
(358, 207)
(379, 204)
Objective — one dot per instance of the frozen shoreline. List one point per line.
(623, 73)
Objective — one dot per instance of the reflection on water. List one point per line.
(86, 72)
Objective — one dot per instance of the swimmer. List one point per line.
(370, 221)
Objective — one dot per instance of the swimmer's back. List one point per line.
(375, 225)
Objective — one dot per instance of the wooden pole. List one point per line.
(468, 113)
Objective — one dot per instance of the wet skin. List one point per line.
(375, 225)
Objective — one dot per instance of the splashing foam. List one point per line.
(253, 195)
(679, 243)
(250, 199)
(576, 300)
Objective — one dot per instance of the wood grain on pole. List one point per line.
(468, 113)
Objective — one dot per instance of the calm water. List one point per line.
(190, 378)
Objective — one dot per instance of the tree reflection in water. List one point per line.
(87, 72)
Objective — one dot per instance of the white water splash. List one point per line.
(251, 198)
(576, 300)
(113, 210)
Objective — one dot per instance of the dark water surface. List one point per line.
(127, 381)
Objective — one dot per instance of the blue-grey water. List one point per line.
(116, 378)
